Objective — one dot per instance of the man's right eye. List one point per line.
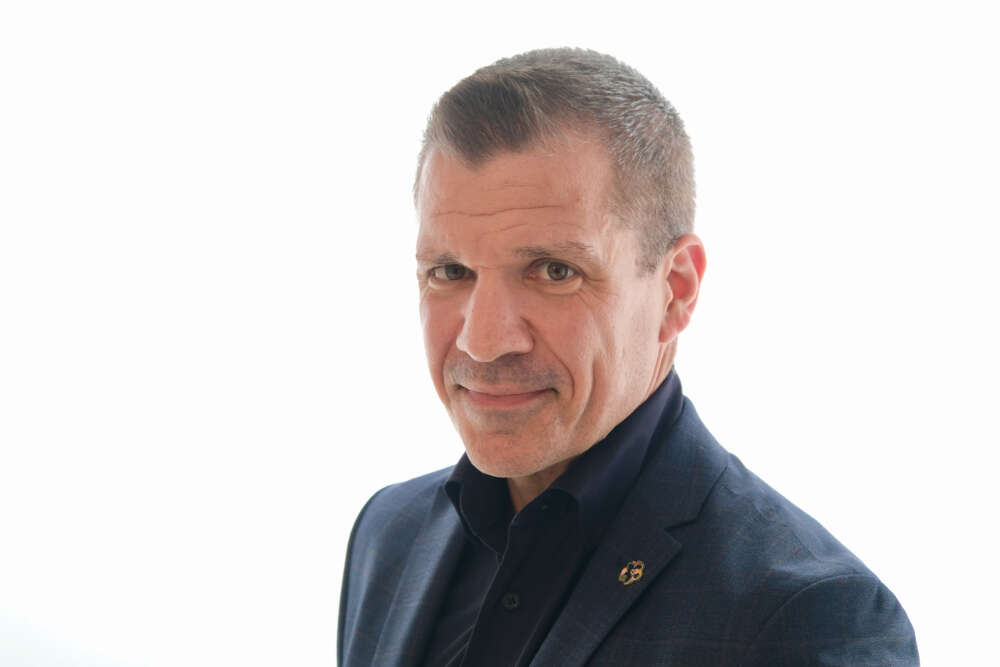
(449, 272)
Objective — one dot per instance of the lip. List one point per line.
(496, 399)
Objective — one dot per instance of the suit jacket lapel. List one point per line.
(599, 599)
(669, 492)
(421, 588)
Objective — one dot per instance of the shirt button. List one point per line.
(511, 601)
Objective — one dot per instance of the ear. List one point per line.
(683, 269)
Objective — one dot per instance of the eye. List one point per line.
(556, 271)
(449, 272)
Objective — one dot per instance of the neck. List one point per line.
(664, 362)
(525, 489)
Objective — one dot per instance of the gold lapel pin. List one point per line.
(632, 572)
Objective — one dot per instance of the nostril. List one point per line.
(487, 339)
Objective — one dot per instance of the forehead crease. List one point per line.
(482, 214)
(444, 242)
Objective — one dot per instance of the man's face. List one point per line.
(541, 335)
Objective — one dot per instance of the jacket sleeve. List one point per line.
(843, 620)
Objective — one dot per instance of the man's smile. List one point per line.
(500, 399)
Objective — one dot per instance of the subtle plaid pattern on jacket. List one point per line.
(734, 574)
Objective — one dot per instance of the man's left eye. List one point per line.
(556, 271)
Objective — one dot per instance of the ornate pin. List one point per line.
(632, 572)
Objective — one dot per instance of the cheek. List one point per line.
(579, 339)
(439, 323)
(614, 341)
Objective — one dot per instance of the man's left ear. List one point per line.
(683, 269)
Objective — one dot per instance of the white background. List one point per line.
(209, 348)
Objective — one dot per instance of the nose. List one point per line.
(493, 322)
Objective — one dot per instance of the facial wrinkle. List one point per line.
(438, 214)
(510, 369)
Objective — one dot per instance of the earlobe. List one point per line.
(684, 268)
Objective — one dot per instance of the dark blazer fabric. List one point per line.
(734, 574)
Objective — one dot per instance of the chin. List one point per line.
(509, 455)
(505, 456)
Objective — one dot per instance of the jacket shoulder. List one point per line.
(391, 519)
(393, 508)
(817, 600)
(770, 579)
(850, 619)
(736, 517)
(382, 535)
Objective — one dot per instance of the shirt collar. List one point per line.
(597, 480)
(482, 503)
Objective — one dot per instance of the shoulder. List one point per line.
(398, 508)
(815, 596)
(387, 526)
(383, 534)
(848, 619)
(735, 514)
(780, 581)
(767, 529)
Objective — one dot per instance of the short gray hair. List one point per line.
(518, 102)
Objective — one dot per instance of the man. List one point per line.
(593, 519)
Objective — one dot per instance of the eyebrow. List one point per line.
(570, 249)
(574, 249)
(443, 258)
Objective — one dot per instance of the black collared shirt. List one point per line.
(517, 570)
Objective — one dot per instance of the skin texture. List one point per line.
(541, 334)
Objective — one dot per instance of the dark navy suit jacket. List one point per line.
(734, 574)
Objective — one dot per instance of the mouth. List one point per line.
(499, 399)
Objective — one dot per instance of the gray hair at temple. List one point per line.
(517, 103)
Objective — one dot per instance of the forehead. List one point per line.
(553, 194)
